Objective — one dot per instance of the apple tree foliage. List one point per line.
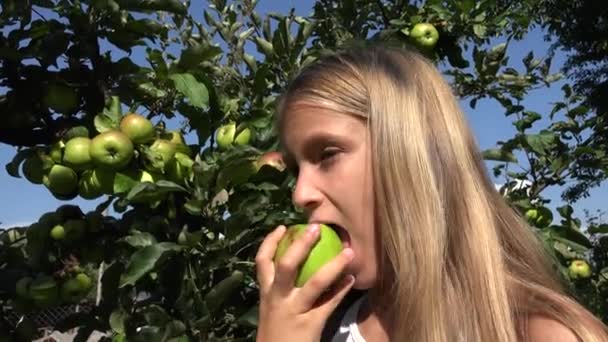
(174, 260)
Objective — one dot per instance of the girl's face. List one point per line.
(329, 152)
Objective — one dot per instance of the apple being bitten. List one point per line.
(327, 247)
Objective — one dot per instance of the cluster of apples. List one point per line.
(45, 291)
(87, 166)
(66, 225)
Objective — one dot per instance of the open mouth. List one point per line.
(342, 233)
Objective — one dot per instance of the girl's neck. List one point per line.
(372, 321)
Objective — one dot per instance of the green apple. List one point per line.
(179, 168)
(273, 159)
(161, 153)
(43, 291)
(33, 169)
(243, 137)
(49, 220)
(88, 188)
(61, 98)
(58, 232)
(76, 131)
(75, 289)
(94, 221)
(74, 229)
(424, 36)
(103, 179)
(76, 153)
(22, 287)
(180, 144)
(579, 269)
(139, 129)
(56, 151)
(84, 280)
(539, 217)
(62, 180)
(112, 150)
(225, 136)
(68, 211)
(326, 248)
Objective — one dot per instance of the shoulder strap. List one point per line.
(333, 322)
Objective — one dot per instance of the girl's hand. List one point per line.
(298, 314)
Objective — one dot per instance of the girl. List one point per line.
(432, 251)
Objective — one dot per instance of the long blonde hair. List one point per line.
(457, 263)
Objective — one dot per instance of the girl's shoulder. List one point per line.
(541, 328)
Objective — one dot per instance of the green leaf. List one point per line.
(264, 47)
(225, 288)
(499, 155)
(13, 167)
(155, 315)
(105, 123)
(601, 229)
(144, 261)
(124, 182)
(117, 320)
(174, 329)
(480, 30)
(541, 143)
(147, 190)
(575, 246)
(195, 91)
(250, 318)
(194, 55)
(139, 239)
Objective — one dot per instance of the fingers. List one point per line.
(287, 267)
(263, 259)
(327, 276)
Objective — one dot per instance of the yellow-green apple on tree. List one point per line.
(225, 136)
(112, 150)
(74, 229)
(539, 217)
(75, 289)
(61, 180)
(177, 139)
(579, 269)
(327, 247)
(33, 169)
(76, 153)
(56, 151)
(139, 129)
(273, 159)
(58, 232)
(162, 151)
(88, 188)
(424, 36)
(179, 168)
(43, 291)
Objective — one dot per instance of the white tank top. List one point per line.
(348, 331)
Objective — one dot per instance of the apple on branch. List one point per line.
(139, 129)
(112, 150)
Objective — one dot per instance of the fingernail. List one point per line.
(313, 229)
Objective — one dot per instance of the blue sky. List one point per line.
(22, 202)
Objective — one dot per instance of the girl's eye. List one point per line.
(329, 154)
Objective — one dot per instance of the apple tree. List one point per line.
(167, 255)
